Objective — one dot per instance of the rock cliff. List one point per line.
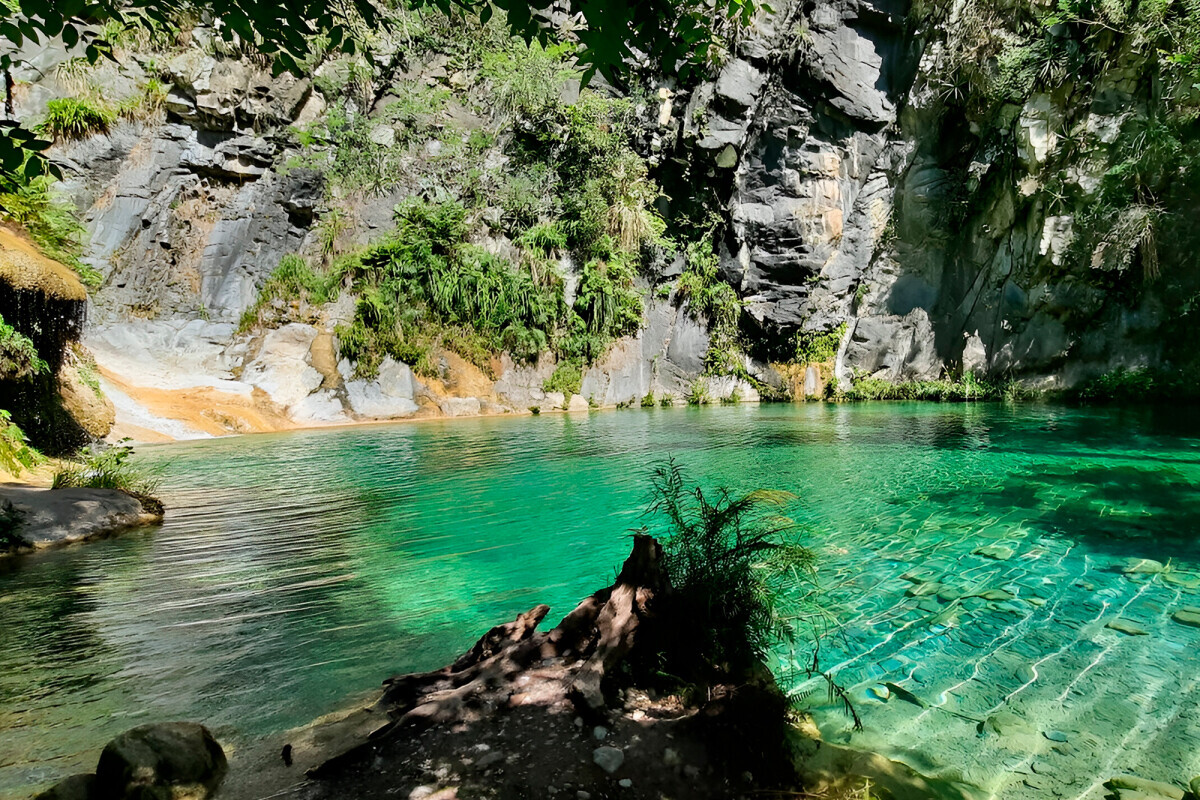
(887, 182)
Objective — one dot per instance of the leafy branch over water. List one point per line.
(727, 562)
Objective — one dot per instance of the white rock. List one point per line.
(625, 783)
(577, 404)
(600, 732)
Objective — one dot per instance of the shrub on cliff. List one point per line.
(107, 468)
(75, 118)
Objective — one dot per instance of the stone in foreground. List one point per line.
(172, 759)
(608, 759)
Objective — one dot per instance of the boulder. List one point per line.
(167, 761)
(76, 787)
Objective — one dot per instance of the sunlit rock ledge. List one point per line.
(42, 518)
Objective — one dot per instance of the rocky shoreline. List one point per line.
(37, 519)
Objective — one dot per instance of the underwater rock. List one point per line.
(996, 595)
(1195, 786)
(906, 695)
(1126, 627)
(1188, 615)
(924, 590)
(1184, 579)
(1004, 723)
(608, 759)
(1141, 566)
(1026, 673)
(997, 552)
(1055, 736)
(1146, 787)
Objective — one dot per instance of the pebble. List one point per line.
(608, 759)
(625, 783)
(670, 757)
(691, 771)
(487, 759)
(1055, 736)
(599, 732)
(582, 795)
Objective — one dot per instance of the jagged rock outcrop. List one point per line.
(940, 229)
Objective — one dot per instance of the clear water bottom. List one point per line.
(294, 570)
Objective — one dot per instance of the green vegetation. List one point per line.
(968, 387)
(708, 295)
(648, 400)
(51, 222)
(15, 453)
(566, 378)
(292, 280)
(728, 558)
(677, 37)
(818, 347)
(75, 118)
(998, 55)
(106, 468)
(1138, 385)
(18, 356)
(698, 393)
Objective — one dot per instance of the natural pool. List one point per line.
(294, 570)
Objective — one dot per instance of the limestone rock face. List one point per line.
(170, 760)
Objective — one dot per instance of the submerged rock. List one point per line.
(76, 787)
(160, 761)
(1184, 579)
(1142, 566)
(1146, 787)
(997, 552)
(1126, 627)
(1188, 615)
(608, 759)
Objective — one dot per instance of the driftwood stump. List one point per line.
(569, 662)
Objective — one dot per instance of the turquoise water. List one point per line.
(295, 570)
